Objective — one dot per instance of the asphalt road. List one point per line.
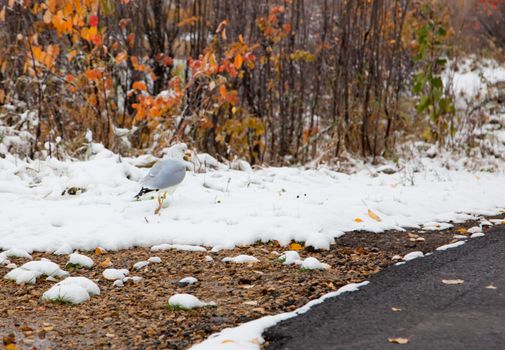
(433, 315)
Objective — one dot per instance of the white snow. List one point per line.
(115, 274)
(312, 263)
(30, 271)
(264, 205)
(65, 249)
(185, 247)
(477, 235)
(188, 280)
(452, 245)
(154, 259)
(90, 286)
(74, 290)
(413, 255)
(118, 283)
(290, 257)
(474, 229)
(140, 265)
(241, 259)
(16, 253)
(187, 301)
(247, 336)
(208, 258)
(134, 279)
(81, 260)
(68, 293)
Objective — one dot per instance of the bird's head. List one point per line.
(188, 154)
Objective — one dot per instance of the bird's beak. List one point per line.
(187, 156)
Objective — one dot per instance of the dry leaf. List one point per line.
(453, 281)
(490, 286)
(373, 215)
(396, 309)
(11, 346)
(295, 246)
(462, 230)
(106, 263)
(398, 340)
(227, 341)
(99, 251)
(358, 220)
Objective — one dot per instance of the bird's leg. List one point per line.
(161, 199)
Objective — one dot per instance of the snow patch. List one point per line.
(187, 301)
(188, 280)
(413, 255)
(81, 260)
(185, 247)
(30, 271)
(449, 246)
(241, 259)
(115, 274)
(312, 263)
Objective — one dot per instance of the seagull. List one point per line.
(164, 176)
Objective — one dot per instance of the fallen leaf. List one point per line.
(227, 341)
(106, 263)
(11, 346)
(100, 250)
(398, 340)
(491, 286)
(295, 246)
(358, 220)
(457, 281)
(396, 309)
(462, 230)
(373, 215)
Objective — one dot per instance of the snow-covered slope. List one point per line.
(225, 207)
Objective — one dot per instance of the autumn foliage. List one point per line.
(269, 81)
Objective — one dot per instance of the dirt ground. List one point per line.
(136, 316)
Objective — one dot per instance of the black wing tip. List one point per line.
(142, 192)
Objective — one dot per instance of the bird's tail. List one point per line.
(142, 192)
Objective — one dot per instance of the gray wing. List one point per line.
(166, 173)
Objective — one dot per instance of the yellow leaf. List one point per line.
(462, 230)
(295, 246)
(398, 340)
(396, 309)
(100, 251)
(238, 61)
(358, 220)
(255, 341)
(212, 61)
(11, 347)
(373, 215)
(227, 341)
(47, 17)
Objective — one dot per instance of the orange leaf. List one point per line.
(238, 61)
(139, 85)
(358, 220)
(373, 215)
(295, 246)
(106, 263)
(93, 74)
(223, 91)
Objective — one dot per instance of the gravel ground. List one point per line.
(136, 316)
